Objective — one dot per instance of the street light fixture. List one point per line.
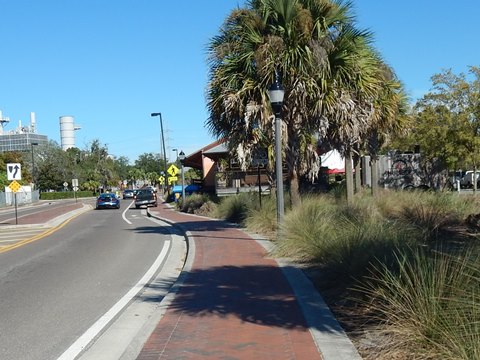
(181, 157)
(33, 164)
(276, 94)
(176, 152)
(162, 141)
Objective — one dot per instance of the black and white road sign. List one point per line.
(260, 157)
(14, 171)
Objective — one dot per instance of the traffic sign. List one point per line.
(14, 186)
(75, 182)
(260, 157)
(173, 170)
(14, 171)
(161, 180)
(75, 188)
(172, 179)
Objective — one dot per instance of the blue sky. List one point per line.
(112, 63)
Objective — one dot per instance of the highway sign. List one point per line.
(14, 186)
(173, 170)
(14, 171)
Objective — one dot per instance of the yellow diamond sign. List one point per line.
(14, 186)
(173, 170)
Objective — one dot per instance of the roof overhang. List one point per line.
(213, 151)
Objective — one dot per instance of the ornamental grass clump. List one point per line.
(344, 238)
(263, 219)
(193, 202)
(431, 213)
(429, 304)
(235, 208)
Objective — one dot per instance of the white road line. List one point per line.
(83, 341)
(125, 211)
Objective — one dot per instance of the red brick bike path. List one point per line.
(234, 303)
(49, 214)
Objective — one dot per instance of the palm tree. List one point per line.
(389, 117)
(314, 45)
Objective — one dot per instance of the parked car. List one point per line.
(145, 197)
(107, 201)
(469, 178)
(127, 194)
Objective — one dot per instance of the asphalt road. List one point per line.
(53, 290)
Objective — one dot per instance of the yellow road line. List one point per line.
(37, 237)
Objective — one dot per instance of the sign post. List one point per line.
(260, 158)
(75, 188)
(14, 173)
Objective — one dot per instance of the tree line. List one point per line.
(94, 167)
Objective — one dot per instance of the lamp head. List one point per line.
(276, 94)
(156, 114)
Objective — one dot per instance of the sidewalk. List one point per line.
(235, 302)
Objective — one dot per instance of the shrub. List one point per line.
(65, 195)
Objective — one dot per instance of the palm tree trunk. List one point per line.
(374, 170)
(349, 176)
(295, 198)
(358, 175)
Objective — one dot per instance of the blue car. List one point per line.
(108, 201)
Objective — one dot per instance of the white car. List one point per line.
(469, 178)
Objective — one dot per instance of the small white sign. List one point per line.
(14, 171)
(75, 182)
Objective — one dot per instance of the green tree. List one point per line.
(389, 117)
(134, 175)
(328, 72)
(121, 167)
(99, 165)
(149, 162)
(50, 176)
(446, 121)
(91, 185)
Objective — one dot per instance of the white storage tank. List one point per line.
(67, 132)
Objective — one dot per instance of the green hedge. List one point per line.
(65, 195)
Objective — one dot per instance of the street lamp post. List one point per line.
(181, 157)
(276, 94)
(162, 140)
(33, 164)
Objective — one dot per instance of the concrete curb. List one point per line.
(53, 222)
(67, 216)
